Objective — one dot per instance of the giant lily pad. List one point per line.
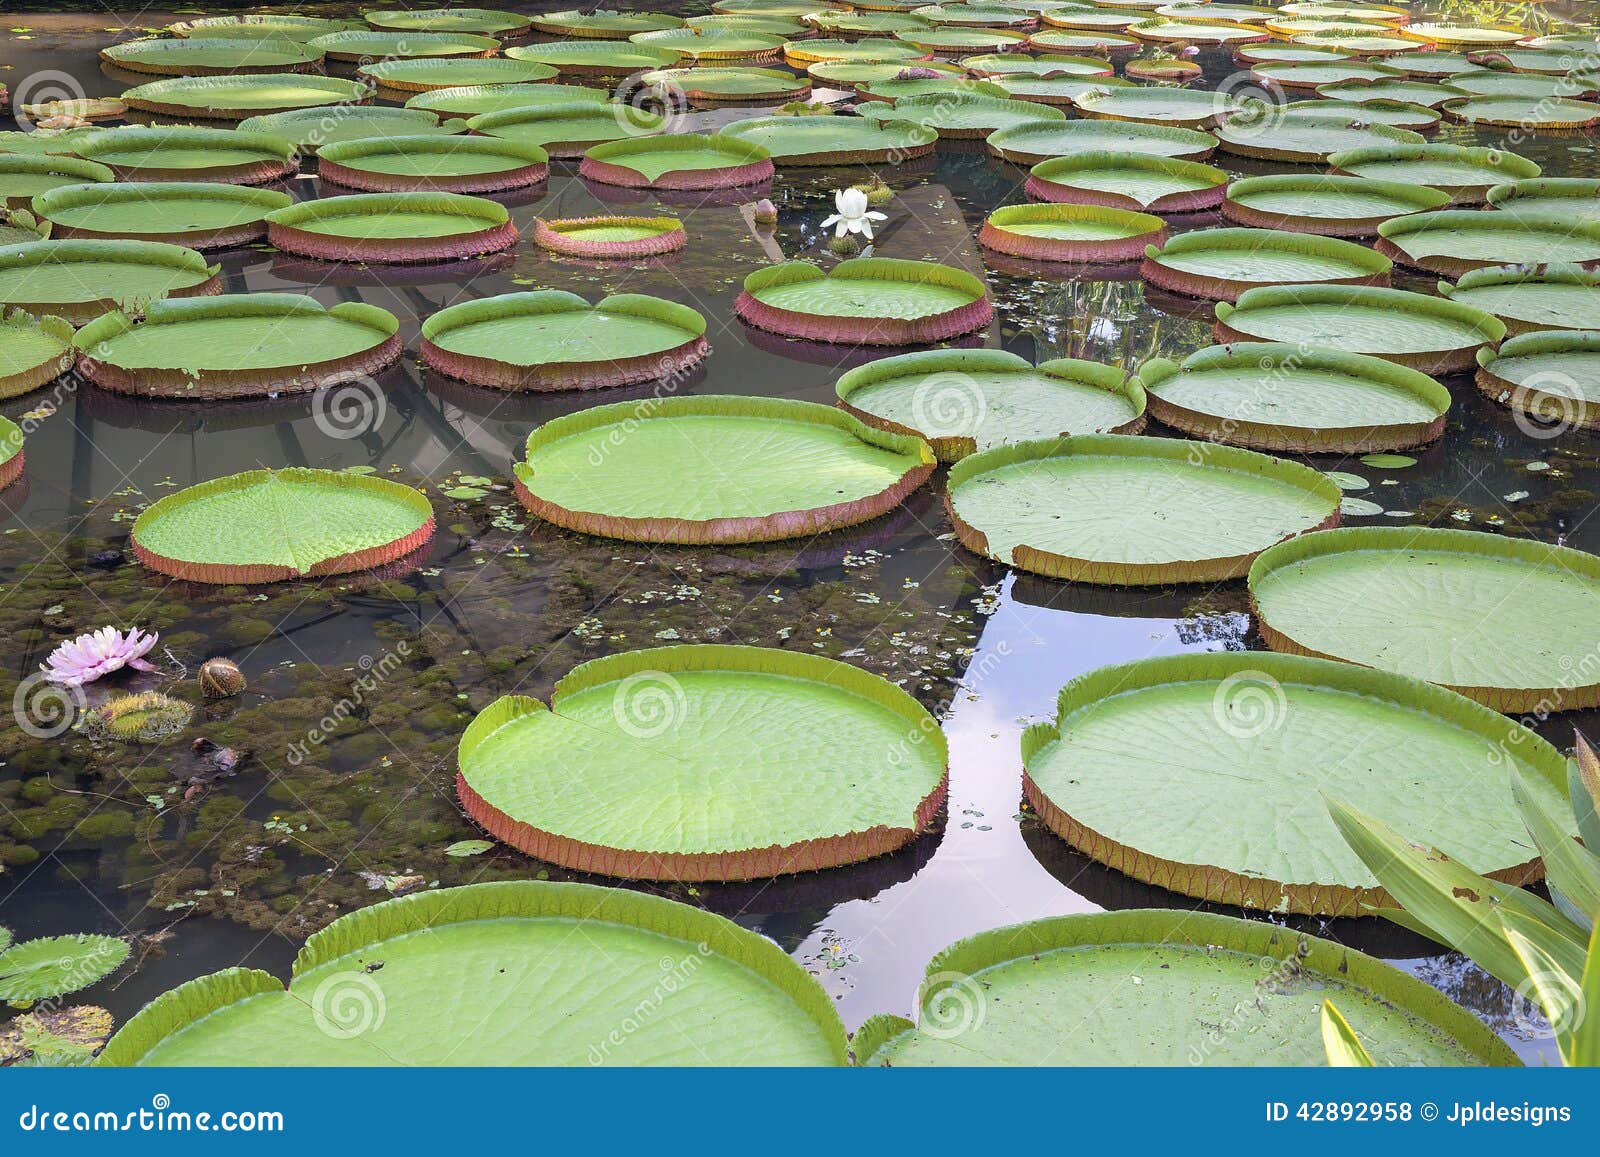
(1465, 173)
(679, 161)
(187, 153)
(1092, 19)
(359, 47)
(1572, 198)
(610, 238)
(53, 966)
(1196, 32)
(312, 128)
(1133, 511)
(1187, 108)
(1394, 88)
(718, 994)
(603, 25)
(23, 176)
(1393, 113)
(836, 23)
(596, 57)
(714, 44)
(865, 301)
(79, 280)
(489, 21)
(1303, 135)
(1221, 264)
(568, 130)
(1531, 115)
(1318, 74)
(1352, 44)
(1030, 144)
(835, 140)
(270, 525)
(1295, 399)
(1532, 298)
(179, 56)
(1510, 85)
(274, 26)
(12, 462)
(963, 401)
(1048, 65)
(1436, 65)
(1054, 90)
(853, 74)
(1278, 733)
(1279, 53)
(199, 214)
(709, 84)
(38, 142)
(1330, 205)
(474, 100)
(941, 86)
(1065, 40)
(1068, 232)
(1448, 606)
(232, 98)
(1431, 334)
(960, 116)
(1456, 241)
(1474, 35)
(873, 49)
(1553, 377)
(449, 164)
(33, 351)
(240, 345)
(425, 74)
(705, 763)
(948, 40)
(1134, 181)
(553, 340)
(392, 227)
(1151, 987)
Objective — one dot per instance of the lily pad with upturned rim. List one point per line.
(23, 176)
(963, 401)
(1132, 511)
(1553, 377)
(1573, 198)
(865, 301)
(678, 161)
(360, 47)
(39, 142)
(835, 140)
(477, 100)
(178, 153)
(1030, 144)
(765, 469)
(425, 74)
(1141, 987)
(1447, 606)
(1137, 181)
(961, 116)
(1070, 232)
(759, 763)
(568, 130)
(1186, 108)
(714, 44)
(554, 340)
(1390, 113)
(870, 50)
(1471, 35)
(1455, 241)
(443, 164)
(1499, 84)
(1393, 88)
(392, 227)
(1430, 334)
(233, 98)
(1333, 206)
(1465, 173)
(844, 22)
(33, 352)
(199, 214)
(945, 87)
(1532, 297)
(1196, 32)
(1020, 64)
(1320, 74)
(1363, 46)
(1280, 53)
(13, 461)
(1221, 264)
(1304, 136)
(270, 525)
(951, 41)
(310, 129)
(1054, 90)
(1064, 40)
(271, 26)
(79, 280)
(1276, 735)
(735, 999)
(596, 57)
(487, 21)
(851, 74)
(610, 238)
(177, 56)
(710, 84)
(1546, 115)
(1295, 399)
(240, 345)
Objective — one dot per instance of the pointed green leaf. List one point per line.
(1552, 981)
(1571, 870)
(1584, 787)
(1586, 1033)
(1345, 1050)
(56, 965)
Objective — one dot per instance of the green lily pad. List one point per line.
(765, 25)
(1068, 232)
(1065, 40)
(948, 40)
(1319, 74)
(45, 142)
(1186, 107)
(1295, 399)
(1279, 53)
(1394, 88)
(865, 300)
(1532, 298)
(961, 116)
(1030, 144)
(1218, 13)
(148, 153)
(1057, 90)
(1220, 264)
(269, 525)
(200, 214)
(868, 50)
(713, 44)
(1456, 241)
(177, 56)
(310, 129)
(1021, 64)
(854, 74)
(1533, 115)
(33, 351)
(57, 965)
(79, 280)
(488, 21)
(680, 161)
(1093, 19)
(394, 227)
(1465, 173)
(1132, 511)
(424, 74)
(568, 130)
(834, 140)
(1391, 113)
(1303, 136)
(359, 46)
(1389, 461)
(974, 15)
(1569, 198)
(945, 88)
(791, 8)
(1331, 205)
(237, 97)
(709, 83)
(596, 57)
(705, 763)
(475, 100)
(963, 401)
(719, 995)
(1305, 729)
(1409, 600)
(764, 469)
(1438, 65)
(1431, 334)
(834, 22)
(23, 176)
(273, 26)
(457, 164)
(1553, 377)
(1356, 45)
(1471, 35)
(462, 848)
(1151, 987)
(1136, 181)
(1195, 32)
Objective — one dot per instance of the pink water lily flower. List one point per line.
(86, 658)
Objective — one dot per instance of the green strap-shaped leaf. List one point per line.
(1345, 1050)
(1558, 989)
(1571, 870)
(1585, 1049)
(1584, 787)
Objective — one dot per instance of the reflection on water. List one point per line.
(230, 869)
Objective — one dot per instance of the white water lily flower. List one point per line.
(853, 215)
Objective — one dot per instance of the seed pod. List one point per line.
(221, 679)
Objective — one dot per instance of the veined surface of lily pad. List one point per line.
(872, 49)
(199, 214)
(1440, 66)
(1305, 136)
(1248, 746)
(712, 84)
(1048, 64)
(187, 153)
(865, 300)
(310, 129)
(603, 25)
(1465, 173)
(1498, 84)
(1317, 74)
(1334, 206)
(678, 161)
(1554, 377)
(949, 40)
(1351, 44)
(1569, 198)
(1296, 399)
(1455, 241)
(476, 99)
(489, 21)
(1280, 53)
(392, 227)
(1131, 511)
(766, 25)
(596, 57)
(834, 140)
(963, 401)
(363, 46)
(1142, 987)
(33, 351)
(736, 999)
(1093, 19)
(232, 98)
(424, 74)
(1447, 606)
(568, 130)
(1068, 232)
(1136, 181)
(270, 525)
(610, 238)
(705, 763)
(764, 468)
(714, 44)
(1391, 113)
(1066, 40)
(1185, 107)
(1030, 144)
(944, 86)
(960, 116)
(553, 340)
(1532, 297)
(854, 74)
(1542, 114)
(836, 22)
(452, 164)
(79, 280)
(1196, 32)
(1469, 35)
(23, 176)
(203, 56)
(1394, 88)
(1220, 264)
(272, 26)
(1431, 334)
(240, 345)
(1054, 90)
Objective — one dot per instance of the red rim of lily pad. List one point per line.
(866, 330)
(1554, 410)
(291, 229)
(1159, 271)
(54, 331)
(341, 164)
(609, 163)
(556, 235)
(1110, 235)
(12, 459)
(202, 278)
(1405, 198)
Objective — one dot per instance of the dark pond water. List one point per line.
(241, 868)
